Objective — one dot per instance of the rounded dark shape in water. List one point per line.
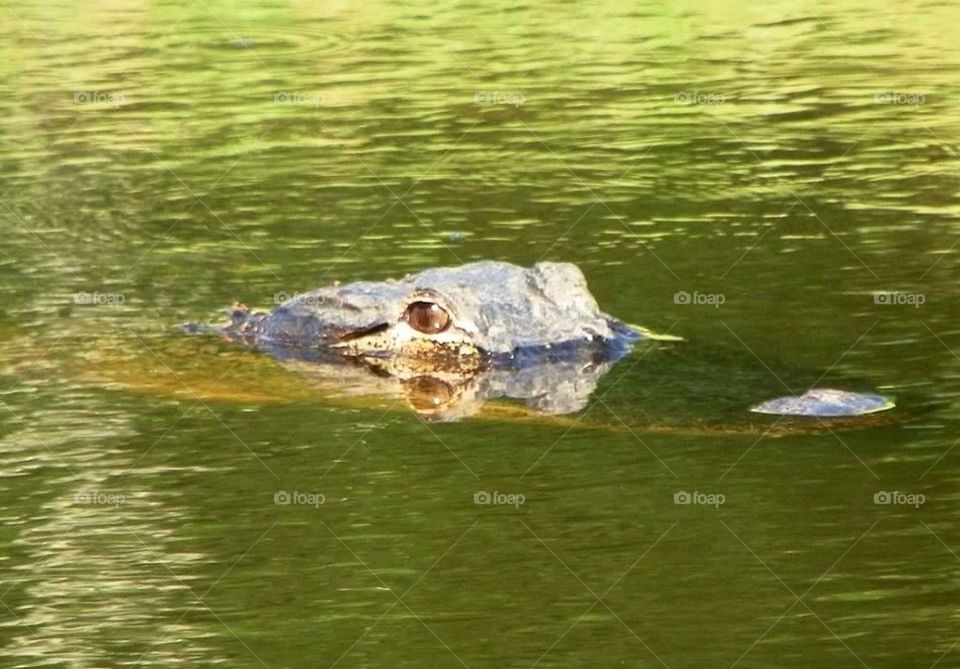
(826, 403)
(426, 393)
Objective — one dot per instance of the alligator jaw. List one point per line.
(403, 358)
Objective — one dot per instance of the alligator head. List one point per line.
(459, 318)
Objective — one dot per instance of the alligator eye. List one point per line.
(427, 317)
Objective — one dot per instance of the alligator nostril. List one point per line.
(427, 317)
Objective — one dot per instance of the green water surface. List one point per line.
(792, 167)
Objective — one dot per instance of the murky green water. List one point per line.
(791, 159)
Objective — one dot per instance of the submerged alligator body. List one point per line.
(449, 339)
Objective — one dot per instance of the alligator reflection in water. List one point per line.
(551, 387)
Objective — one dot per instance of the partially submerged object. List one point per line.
(477, 315)
(826, 403)
(449, 339)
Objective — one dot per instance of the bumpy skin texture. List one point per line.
(496, 309)
(825, 403)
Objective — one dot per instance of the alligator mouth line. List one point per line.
(364, 332)
(371, 346)
(417, 360)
